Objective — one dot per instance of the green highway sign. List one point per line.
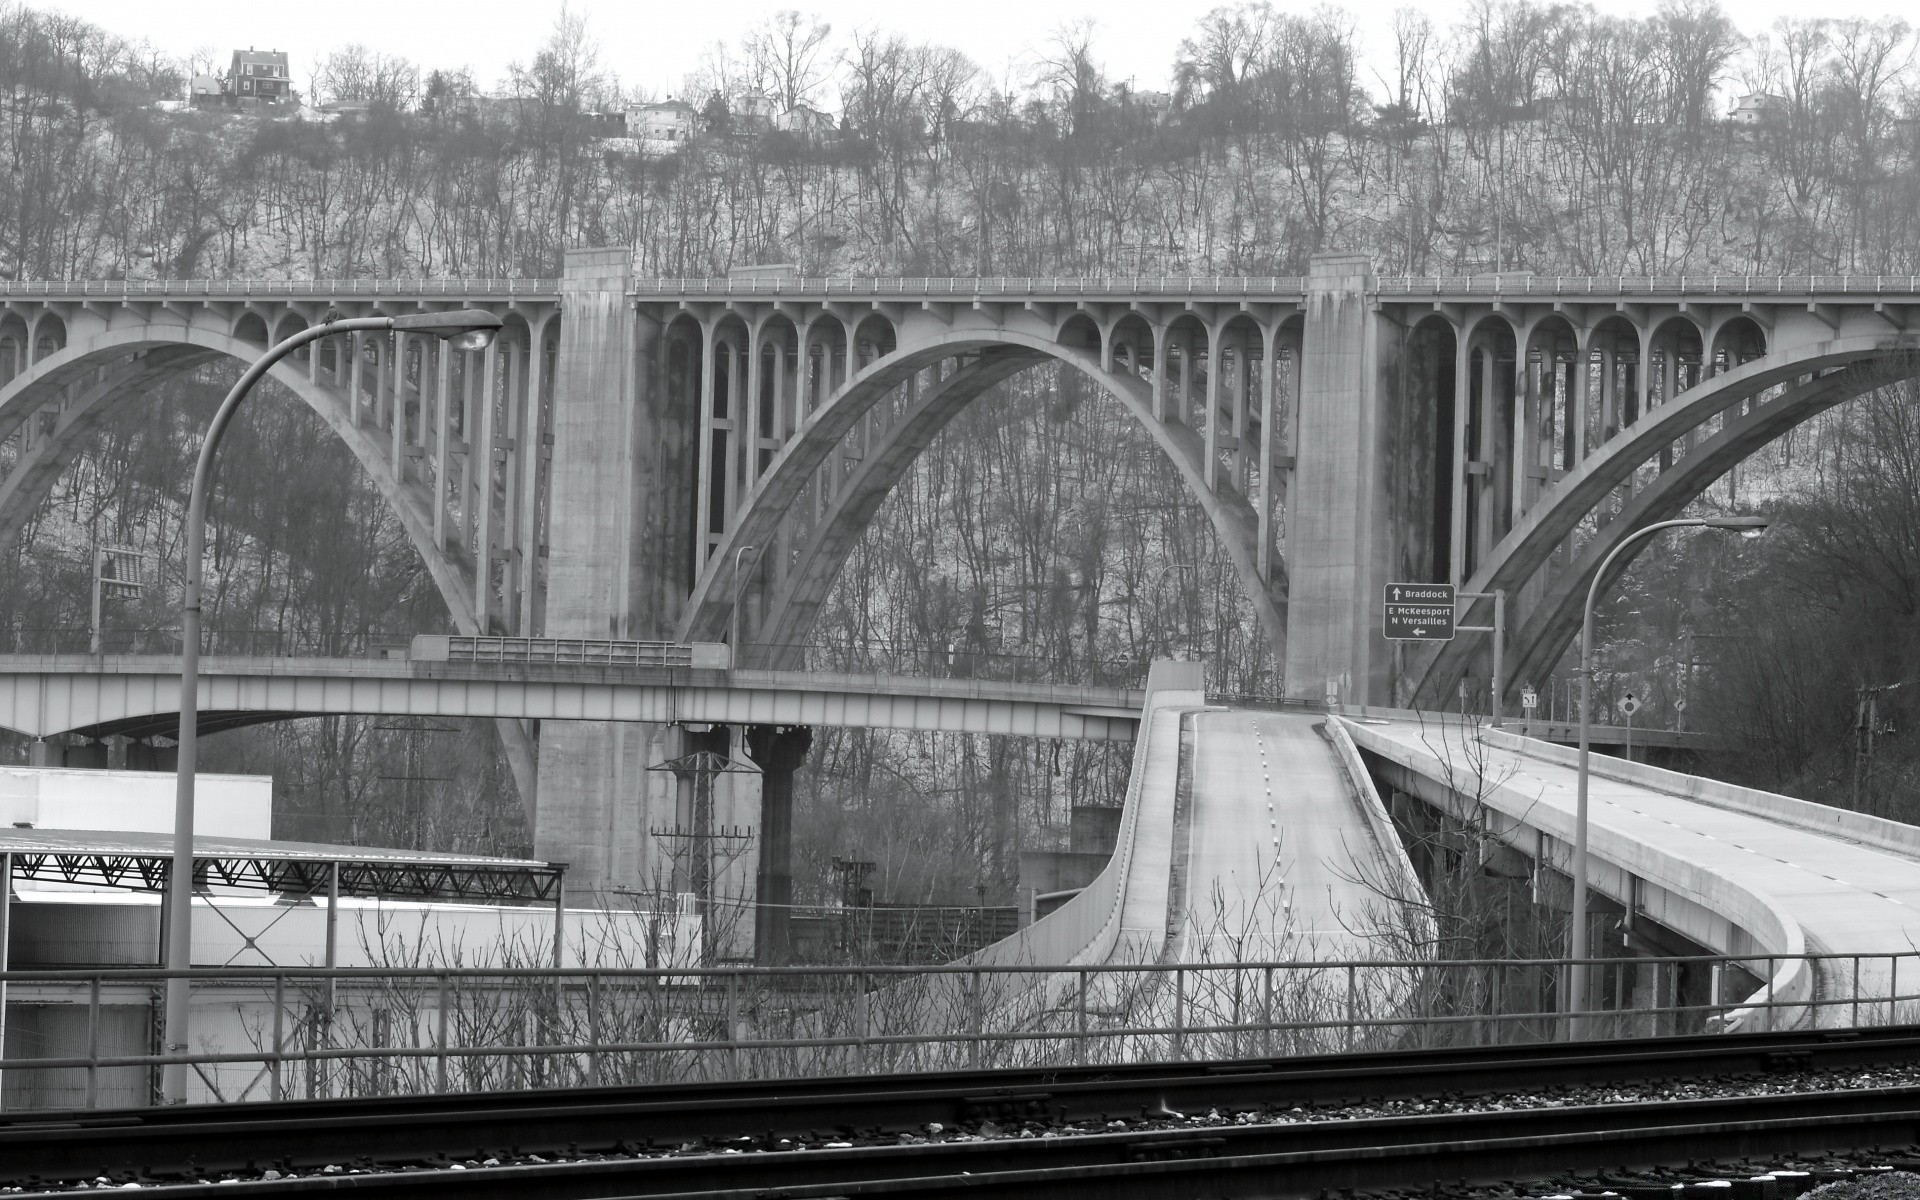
(1418, 612)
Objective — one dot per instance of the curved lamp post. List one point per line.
(1577, 951)
(467, 329)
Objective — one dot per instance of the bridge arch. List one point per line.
(86, 384)
(1755, 401)
(124, 355)
(979, 358)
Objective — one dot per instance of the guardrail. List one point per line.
(568, 652)
(113, 288)
(316, 1032)
(1281, 287)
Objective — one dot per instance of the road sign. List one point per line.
(1629, 705)
(1418, 612)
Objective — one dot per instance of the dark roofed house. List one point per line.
(259, 77)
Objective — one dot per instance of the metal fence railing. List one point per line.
(567, 652)
(290, 1032)
(110, 288)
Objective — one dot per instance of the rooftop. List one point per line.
(141, 862)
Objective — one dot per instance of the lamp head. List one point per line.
(1746, 527)
(466, 328)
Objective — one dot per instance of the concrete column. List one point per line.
(533, 437)
(1159, 379)
(380, 373)
(1486, 494)
(1216, 354)
(1269, 417)
(748, 422)
(709, 430)
(1458, 565)
(739, 428)
(472, 396)
(1242, 400)
(353, 379)
(1183, 406)
(1338, 503)
(620, 480)
(397, 448)
(1578, 403)
(442, 439)
(511, 443)
(1526, 447)
(480, 495)
(778, 751)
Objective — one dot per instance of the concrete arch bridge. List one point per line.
(603, 471)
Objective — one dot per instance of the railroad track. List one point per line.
(1131, 1132)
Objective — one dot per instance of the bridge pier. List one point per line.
(619, 520)
(778, 750)
(1371, 464)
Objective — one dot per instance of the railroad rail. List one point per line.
(1117, 1131)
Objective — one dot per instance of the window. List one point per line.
(249, 68)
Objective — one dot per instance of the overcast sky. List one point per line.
(651, 44)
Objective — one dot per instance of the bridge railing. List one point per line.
(887, 658)
(1279, 287)
(1529, 284)
(567, 652)
(309, 1032)
(316, 288)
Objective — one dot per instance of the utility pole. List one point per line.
(1866, 724)
(116, 576)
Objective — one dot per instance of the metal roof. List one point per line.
(142, 862)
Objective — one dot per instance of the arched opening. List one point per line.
(722, 472)
(775, 415)
(1242, 352)
(251, 327)
(1548, 406)
(826, 346)
(1677, 361)
(682, 363)
(1132, 341)
(873, 339)
(1613, 375)
(1080, 332)
(1490, 436)
(1184, 382)
(49, 337)
(13, 347)
(1739, 341)
(289, 324)
(1427, 386)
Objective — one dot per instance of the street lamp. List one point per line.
(463, 329)
(1751, 527)
(739, 586)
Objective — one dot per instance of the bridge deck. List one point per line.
(1850, 883)
(138, 696)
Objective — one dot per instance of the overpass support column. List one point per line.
(1338, 510)
(778, 750)
(618, 523)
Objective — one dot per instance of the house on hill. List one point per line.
(258, 77)
(805, 120)
(669, 121)
(1755, 107)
